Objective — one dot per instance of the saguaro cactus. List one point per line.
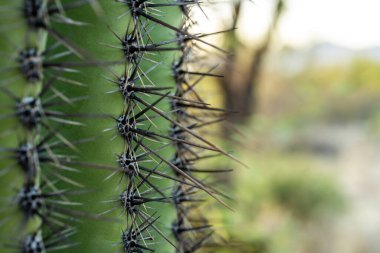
(153, 124)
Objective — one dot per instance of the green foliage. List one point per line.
(306, 195)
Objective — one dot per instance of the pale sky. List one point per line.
(350, 23)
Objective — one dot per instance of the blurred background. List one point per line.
(304, 76)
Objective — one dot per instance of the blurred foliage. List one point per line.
(334, 93)
(276, 198)
(305, 195)
(286, 200)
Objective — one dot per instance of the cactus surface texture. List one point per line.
(105, 127)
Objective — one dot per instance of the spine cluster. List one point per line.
(42, 153)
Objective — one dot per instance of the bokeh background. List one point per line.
(305, 78)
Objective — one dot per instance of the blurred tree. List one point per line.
(240, 87)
